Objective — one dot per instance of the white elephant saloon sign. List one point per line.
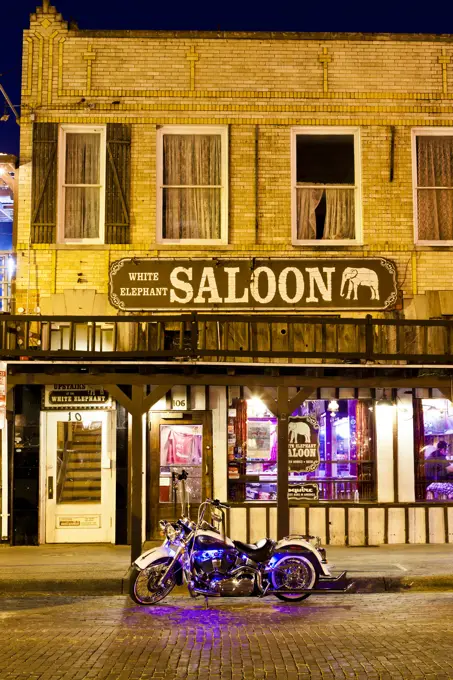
(146, 284)
(303, 444)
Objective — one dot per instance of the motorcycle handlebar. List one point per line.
(217, 504)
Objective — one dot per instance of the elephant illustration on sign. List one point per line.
(296, 429)
(360, 276)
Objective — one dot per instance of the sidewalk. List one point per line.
(102, 569)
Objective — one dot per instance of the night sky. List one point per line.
(302, 15)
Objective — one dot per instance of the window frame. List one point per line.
(424, 132)
(324, 130)
(80, 129)
(221, 130)
(237, 484)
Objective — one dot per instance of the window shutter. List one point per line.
(44, 183)
(117, 189)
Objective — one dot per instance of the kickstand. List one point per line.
(206, 600)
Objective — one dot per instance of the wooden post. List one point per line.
(282, 463)
(137, 472)
(137, 407)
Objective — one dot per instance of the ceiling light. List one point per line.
(385, 401)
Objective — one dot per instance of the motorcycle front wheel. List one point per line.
(143, 585)
(295, 572)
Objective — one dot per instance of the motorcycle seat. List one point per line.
(258, 552)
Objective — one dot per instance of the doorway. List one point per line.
(177, 444)
(79, 477)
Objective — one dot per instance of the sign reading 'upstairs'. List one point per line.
(146, 284)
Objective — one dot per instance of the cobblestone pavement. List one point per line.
(385, 636)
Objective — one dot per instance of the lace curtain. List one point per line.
(307, 202)
(435, 206)
(82, 203)
(340, 213)
(192, 162)
(363, 430)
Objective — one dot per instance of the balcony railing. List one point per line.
(211, 337)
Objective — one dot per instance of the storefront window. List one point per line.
(433, 424)
(180, 449)
(343, 470)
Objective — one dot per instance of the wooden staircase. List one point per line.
(81, 474)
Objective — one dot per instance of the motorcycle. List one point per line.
(212, 565)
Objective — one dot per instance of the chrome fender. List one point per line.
(153, 555)
(305, 546)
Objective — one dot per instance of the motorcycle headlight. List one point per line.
(171, 532)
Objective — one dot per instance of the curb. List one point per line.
(120, 585)
(391, 584)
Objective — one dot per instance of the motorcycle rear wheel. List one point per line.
(142, 582)
(296, 569)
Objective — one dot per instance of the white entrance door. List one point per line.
(80, 498)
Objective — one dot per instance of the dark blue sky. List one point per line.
(327, 15)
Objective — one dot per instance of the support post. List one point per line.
(138, 405)
(282, 463)
(137, 472)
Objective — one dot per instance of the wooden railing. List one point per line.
(235, 338)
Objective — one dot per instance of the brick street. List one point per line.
(379, 636)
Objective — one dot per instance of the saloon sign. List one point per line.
(146, 284)
(303, 444)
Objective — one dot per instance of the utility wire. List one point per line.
(9, 102)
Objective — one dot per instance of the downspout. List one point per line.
(414, 273)
(27, 310)
(256, 183)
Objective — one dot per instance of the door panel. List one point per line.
(180, 449)
(79, 484)
(176, 445)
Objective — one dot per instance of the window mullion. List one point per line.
(192, 186)
(83, 186)
(435, 188)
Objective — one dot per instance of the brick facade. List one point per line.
(260, 85)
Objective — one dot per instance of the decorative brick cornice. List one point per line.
(45, 15)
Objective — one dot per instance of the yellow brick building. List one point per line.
(260, 148)
(259, 86)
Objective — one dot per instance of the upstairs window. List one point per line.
(433, 187)
(326, 186)
(82, 184)
(192, 184)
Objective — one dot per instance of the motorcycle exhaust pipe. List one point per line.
(206, 593)
(312, 591)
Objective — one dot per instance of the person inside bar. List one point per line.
(437, 467)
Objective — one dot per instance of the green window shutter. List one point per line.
(117, 183)
(44, 183)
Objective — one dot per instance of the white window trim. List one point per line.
(221, 130)
(64, 129)
(425, 132)
(310, 130)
